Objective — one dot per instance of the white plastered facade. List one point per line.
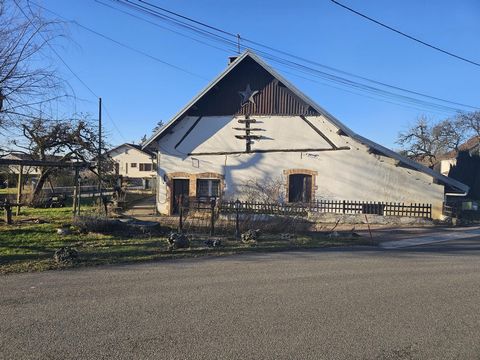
(125, 156)
(288, 143)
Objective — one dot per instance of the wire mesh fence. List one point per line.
(232, 218)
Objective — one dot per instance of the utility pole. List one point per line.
(99, 160)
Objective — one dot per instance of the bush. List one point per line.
(98, 224)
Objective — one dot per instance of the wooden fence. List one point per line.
(330, 206)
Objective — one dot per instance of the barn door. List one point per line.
(300, 188)
(180, 191)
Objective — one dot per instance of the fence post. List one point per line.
(105, 204)
(79, 194)
(75, 192)
(237, 218)
(212, 217)
(8, 212)
(180, 212)
(19, 189)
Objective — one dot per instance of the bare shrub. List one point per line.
(99, 224)
(269, 190)
(267, 224)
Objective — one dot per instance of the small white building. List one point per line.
(32, 171)
(134, 163)
(252, 126)
(445, 165)
(449, 160)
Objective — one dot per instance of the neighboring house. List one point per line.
(444, 166)
(32, 171)
(447, 161)
(463, 165)
(252, 124)
(134, 163)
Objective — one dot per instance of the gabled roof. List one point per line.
(472, 145)
(24, 156)
(454, 184)
(132, 146)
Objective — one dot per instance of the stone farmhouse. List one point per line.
(252, 125)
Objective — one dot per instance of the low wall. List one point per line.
(330, 218)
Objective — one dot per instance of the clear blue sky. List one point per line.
(139, 91)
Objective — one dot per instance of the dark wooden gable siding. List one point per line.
(273, 97)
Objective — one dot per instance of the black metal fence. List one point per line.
(418, 210)
(216, 217)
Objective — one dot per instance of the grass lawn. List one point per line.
(8, 191)
(29, 246)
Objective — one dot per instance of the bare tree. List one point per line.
(470, 123)
(419, 142)
(26, 80)
(269, 190)
(450, 134)
(426, 141)
(60, 141)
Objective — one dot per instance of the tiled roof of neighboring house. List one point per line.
(23, 156)
(134, 146)
(470, 145)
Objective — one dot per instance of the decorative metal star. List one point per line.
(247, 95)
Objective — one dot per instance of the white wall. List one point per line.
(125, 156)
(342, 175)
(15, 169)
(444, 166)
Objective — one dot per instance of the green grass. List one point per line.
(8, 191)
(29, 246)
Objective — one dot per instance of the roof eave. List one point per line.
(346, 130)
(196, 98)
(141, 149)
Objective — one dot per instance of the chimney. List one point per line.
(231, 59)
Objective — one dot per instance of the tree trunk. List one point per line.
(35, 198)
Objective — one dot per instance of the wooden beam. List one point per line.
(75, 192)
(188, 131)
(317, 130)
(251, 129)
(19, 188)
(44, 163)
(248, 137)
(268, 151)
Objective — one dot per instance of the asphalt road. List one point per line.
(421, 303)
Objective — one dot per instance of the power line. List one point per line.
(131, 48)
(158, 25)
(67, 66)
(282, 60)
(232, 45)
(290, 63)
(405, 35)
(182, 24)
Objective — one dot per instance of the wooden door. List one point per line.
(300, 188)
(180, 191)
